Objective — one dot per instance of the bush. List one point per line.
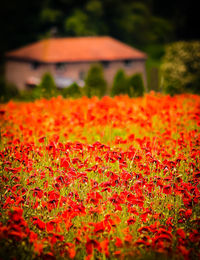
(95, 84)
(135, 85)
(26, 95)
(180, 70)
(120, 84)
(72, 91)
(46, 88)
(7, 91)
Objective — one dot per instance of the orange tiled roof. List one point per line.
(77, 49)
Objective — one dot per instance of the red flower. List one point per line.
(167, 189)
(104, 247)
(188, 213)
(131, 221)
(64, 162)
(41, 139)
(99, 227)
(90, 245)
(16, 214)
(94, 197)
(143, 229)
(181, 233)
(118, 242)
(40, 224)
(194, 236)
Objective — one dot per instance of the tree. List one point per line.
(137, 26)
(120, 84)
(46, 88)
(78, 24)
(180, 70)
(72, 91)
(95, 84)
(136, 85)
(94, 9)
(87, 20)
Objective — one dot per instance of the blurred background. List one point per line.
(149, 25)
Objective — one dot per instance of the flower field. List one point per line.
(115, 178)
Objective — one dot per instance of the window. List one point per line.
(105, 64)
(60, 66)
(35, 65)
(128, 63)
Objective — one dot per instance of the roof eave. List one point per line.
(25, 59)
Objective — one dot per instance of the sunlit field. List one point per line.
(115, 178)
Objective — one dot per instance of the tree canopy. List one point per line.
(95, 84)
(139, 23)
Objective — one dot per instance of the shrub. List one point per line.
(135, 85)
(46, 88)
(120, 84)
(180, 70)
(72, 91)
(95, 84)
(26, 95)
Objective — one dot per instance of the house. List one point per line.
(69, 59)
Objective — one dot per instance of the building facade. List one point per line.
(71, 58)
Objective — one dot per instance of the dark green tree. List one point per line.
(87, 20)
(95, 12)
(120, 84)
(136, 85)
(46, 88)
(137, 26)
(78, 24)
(95, 84)
(73, 91)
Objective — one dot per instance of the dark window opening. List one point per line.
(105, 64)
(60, 66)
(128, 63)
(35, 65)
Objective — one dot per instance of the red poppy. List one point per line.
(15, 214)
(167, 189)
(90, 245)
(118, 242)
(131, 221)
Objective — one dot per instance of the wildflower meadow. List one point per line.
(110, 178)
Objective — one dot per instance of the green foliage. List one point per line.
(132, 86)
(95, 84)
(161, 30)
(139, 27)
(49, 15)
(87, 20)
(180, 70)
(46, 88)
(72, 91)
(95, 12)
(155, 51)
(153, 63)
(135, 85)
(26, 95)
(78, 24)
(94, 8)
(120, 84)
(7, 91)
